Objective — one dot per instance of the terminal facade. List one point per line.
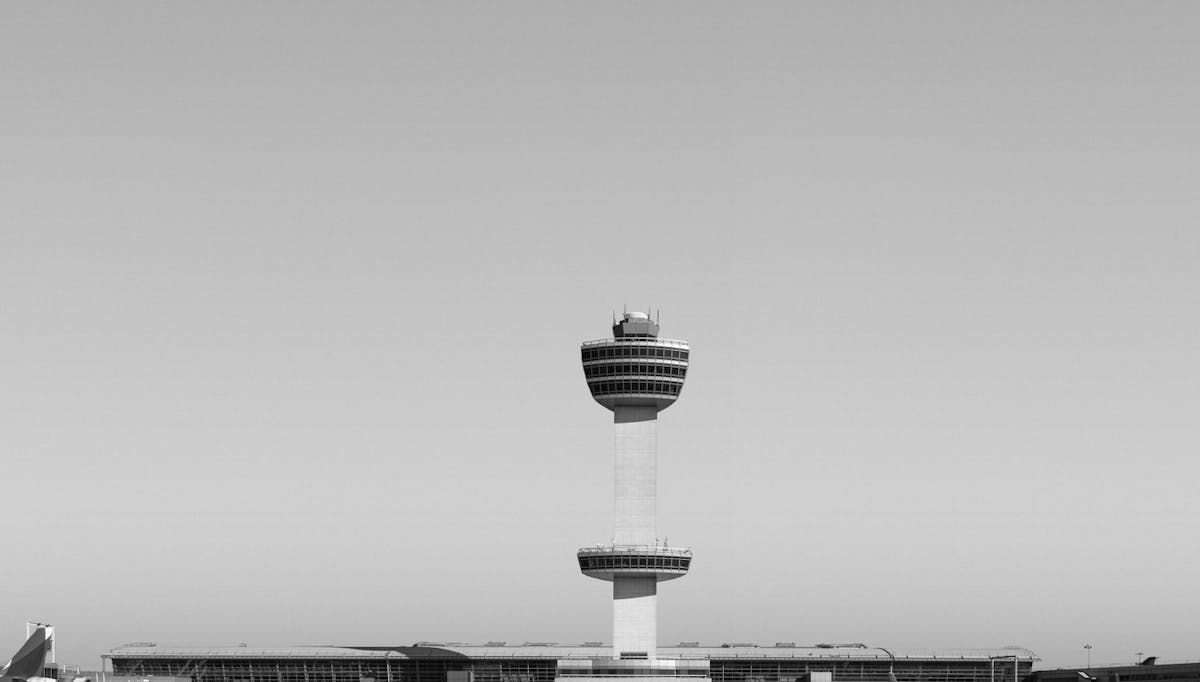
(540, 663)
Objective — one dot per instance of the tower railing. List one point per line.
(661, 550)
(638, 339)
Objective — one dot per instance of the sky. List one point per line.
(291, 296)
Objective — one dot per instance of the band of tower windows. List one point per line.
(617, 387)
(664, 362)
(617, 369)
(646, 562)
(617, 351)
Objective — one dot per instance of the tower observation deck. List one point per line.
(636, 375)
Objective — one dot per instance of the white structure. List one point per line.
(635, 374)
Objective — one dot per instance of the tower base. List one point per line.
(635, 617)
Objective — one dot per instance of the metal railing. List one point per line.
(657, 550)
(645, 341)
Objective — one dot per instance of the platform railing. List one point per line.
(659, 550)
(636, 340)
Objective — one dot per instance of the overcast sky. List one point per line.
(291, 296)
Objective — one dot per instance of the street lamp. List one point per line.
(1089, 655)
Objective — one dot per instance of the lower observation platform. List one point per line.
(606, 562)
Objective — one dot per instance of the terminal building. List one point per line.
(547, 663)
(636, 375)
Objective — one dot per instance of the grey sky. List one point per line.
(291, 297)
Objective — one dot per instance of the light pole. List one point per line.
(1088, 647)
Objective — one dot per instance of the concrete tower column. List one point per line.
(635, 480)
(635, 616)
(635, 491)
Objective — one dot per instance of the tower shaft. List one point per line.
(635, 617)
(635, 492)
(635, 483)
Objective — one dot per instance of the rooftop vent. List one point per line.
(593, 643)
(732, 645)
(785, 645)
(689, 645)
(496, 643)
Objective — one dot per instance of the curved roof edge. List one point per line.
(565, 651)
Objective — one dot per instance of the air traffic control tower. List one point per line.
(636, 375)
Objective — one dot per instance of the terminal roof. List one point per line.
(564, 651)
